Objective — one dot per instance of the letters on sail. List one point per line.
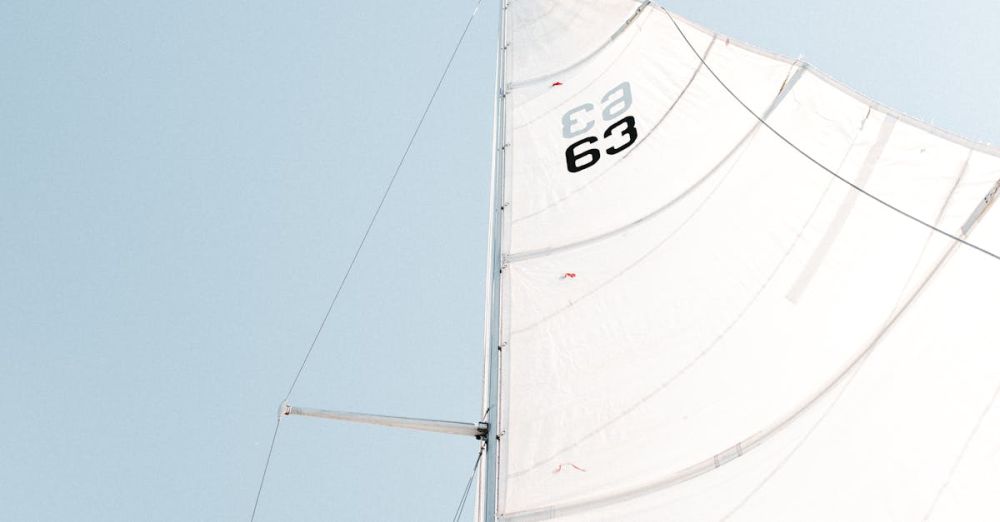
(700, 322)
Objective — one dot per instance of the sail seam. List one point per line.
(819, 164)
(569, 98)
(733, 323)
(961, 455)
(901, 306)
(530, 254)
(666, 384)
(595, 178)
(843, 213)
(950, 136)
(694, 213)
(794, 451)
(762, 436)
(937, 221)
(757, 439)
(614, 36)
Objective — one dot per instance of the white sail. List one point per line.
(699, 322)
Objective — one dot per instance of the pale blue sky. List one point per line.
(182, 185)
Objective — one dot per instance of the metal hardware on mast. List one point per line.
(488, 500)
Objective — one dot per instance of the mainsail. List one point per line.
(732, 288)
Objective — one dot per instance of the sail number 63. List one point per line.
(578, 120)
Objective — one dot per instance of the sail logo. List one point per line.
(618, 136)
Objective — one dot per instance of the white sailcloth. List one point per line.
(699, 322)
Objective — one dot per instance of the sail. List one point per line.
(733, 288)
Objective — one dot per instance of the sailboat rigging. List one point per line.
(721, 285)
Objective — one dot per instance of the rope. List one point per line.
(468, 486)
(817, 162)
(361, 244)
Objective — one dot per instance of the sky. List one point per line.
(183, 184)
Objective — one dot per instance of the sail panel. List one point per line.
(699, 321)
(541, 45)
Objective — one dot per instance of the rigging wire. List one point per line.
(468, 486)
(385, 194)
(357, 251)
(817, 162)
(267, 463)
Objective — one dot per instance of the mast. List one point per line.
(488, 500)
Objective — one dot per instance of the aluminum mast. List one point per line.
(488, 499)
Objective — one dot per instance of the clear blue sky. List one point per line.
(182, 185)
